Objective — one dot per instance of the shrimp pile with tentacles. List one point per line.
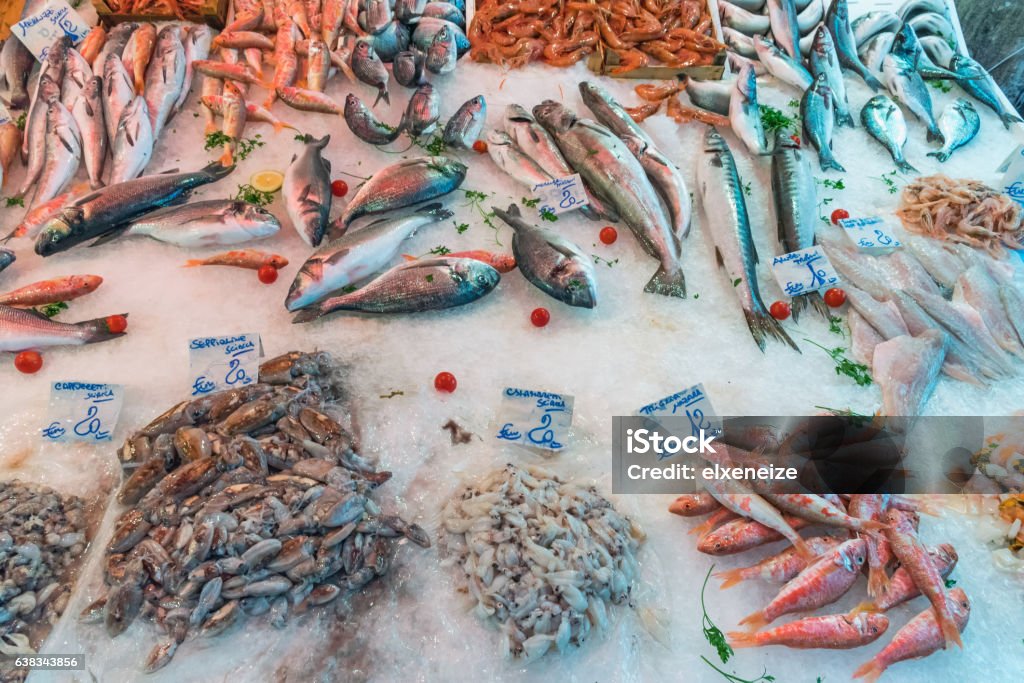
(674, 33)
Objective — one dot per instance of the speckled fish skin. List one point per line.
(407, 68)
(357, 256)
(837, 20)
(901, 586)
(414, 287)
(403, 184)
(88, 114)
(215, 222)
(466, 124)
(884, 121)
(442, 54)
(740, 535)
(34, 142)
(921, 637)
(307, 191)
(823, 582)
(668, 181)
(63, 153)
(365, 125)
(973, 78)
(118, 93)
(833, 632)
(782, 15)
(133, 145)
(907, 86)
(817, 510)
(779, 568)
(165, 77)
(22, 329)
(959, 124)
(422, 112)
(694, 504)
(553, 264)
(817, 110)
(368, 68)
(823, 60)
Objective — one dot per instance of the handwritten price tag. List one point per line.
(561, 194)
(1013, 179)
(39, 30)
(804, 271)
(536, 419)
(870, 234)
(80, 411)
(224, 362)
(693, 404)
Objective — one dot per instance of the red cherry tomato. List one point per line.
(609, 234)
(795, 138)
(445, 381)
(267, 274)
(28, 362)
(838, 215)
(835, 297)
(540, 317)
(339, 188)
(480, 147)
(117, 324)
(780, 310)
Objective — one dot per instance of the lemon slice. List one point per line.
(267, 181)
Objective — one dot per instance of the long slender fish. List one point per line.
(722, 197)
(959, 124)
(507, 156)
(165, 77)
(823, 60)
(973, 78)
(34, 142)
(884, 121)
(818, 115)
(907, 86)
(609, 112)
(781, 65)
(785, 30)
(22, 329)
(307, 191)
(837, 20)
(215, 222)
(63, 153)
(667, 179)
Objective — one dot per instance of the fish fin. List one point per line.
(110, 236)
(703, 528)
(907, 168)
(755, 621)
(730, 578)
(940, 154)
(408, 257)
(761, 324)
(828, 163)
(846, 120)
(98, 330)
(878, 581)
(1009, 117)
(312, 312)
(335, 258)
(951, 633)
(813, 301)
(802, 549)
(866, 606)
(218, 170)
(193, 262)
(667, 284)
(870, 671)
(871, 81)
(740, 639)
(382, 94)
(934, 135)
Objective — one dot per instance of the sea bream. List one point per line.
(958, 124)
(307, 191)
(165, 77)
(725, 206)
(356, 256)
(422, 112)
(884, 121)
(23, 329)
(606, 163)
(133, 143)
(365, 125)
(214, 222)
(466, 124)
(368, 68)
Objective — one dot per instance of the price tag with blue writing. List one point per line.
(1013, 179)
(536, 419)
(83, 411)
(693, 404)
(804, 271)
(870, 234)
(55, 19)
(561, 194)
(227, 362)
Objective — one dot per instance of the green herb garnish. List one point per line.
(833, 184)
(599, 260)
(834, 325)
(50, 310)
(746, 189)
(573, 285)
(890, 181)
(248, 193)
(530, 203)
(435, 146)
(844, 366)
(21, 120)
(712, 633)
(737, 281)
(430, 278)
(793, 104)
(303, 137)
(244, 148)
(940, 85)
(440, 250)
(548, 216)
(15, 201)
(476, 196)
(774, 120)
(950, 583)
(461, 227)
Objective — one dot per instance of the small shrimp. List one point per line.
(640, 112)
(682, 114)
(656, 92)
(629, 60)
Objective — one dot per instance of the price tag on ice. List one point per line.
(39, 30)
(561, 194)
(83, 411)
(693, 404)
(536, 419)
(869, 234)
(804, 271)
(217, 363)
(1013, 179)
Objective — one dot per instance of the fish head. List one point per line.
(713, 141)
(254, 214)
(554, 116)
(476, 276)
(944, 555)
(870, 623)
(784, 142)
(518, 114)
(56, 235)
(905, 43)
(959, 605)
(362, 50)
(822, 42)
(636, 146)
(852, 554)
(304, 287)
(448, 167)
(49, 89)
(498, 138)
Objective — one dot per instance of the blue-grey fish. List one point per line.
(368, 68)
(414, 287)
(907, 43)
(442, 54)
(744, 113)
(307, 191)
(823, 60)
(868, 25)
(973, 78)
(711, 95)
(113, 206)
(446, 11)
(875, 50)
(742, 20)
(608, 111)
(409, 11)
(422, 112)
(795, 198)
(740, 43)
(357, 256)
(465, 125)
(932, 24)
(907, 86)
(781, 65)
(407, 68)
(7, 257)
(365, 125)
(885, 123)
(721, 192)
(376, 15)
(837, 19)
(809, 15)
(959, 125)
(553, 264)
(785, 30)
(818, 115)
(391, 41)
(427, 28)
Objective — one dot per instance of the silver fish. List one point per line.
(77, 73)
(553, 264)
(414, 287)
(868, 25)
(508, 156)
(197, 47)
(823, 60)
(368, 68)
(781, 65)
(48, 91)
(740, 43)
(165, 77)
(837, 20)
(816, 110)
(876, 49)
(215, 222)
(609, 112)
(785, 31)
(795, 198)
(365, 125)
(15, 66)
(885, 123)
(88, 114)
(307, 191)
(133, 143)
(667, 179)
(711, 95)
(118, 93)
(742, 20)
(117, 40)
(932, 24)
(466, 124)
(53, 67)
(906, 369)
(973, 78)
(447, 11)
(422, 112)
(22, 329)
(407, 68)
(959, 124)
(722, 197)
(357, 256)
(808, 17)
(745, 115)
(63, 153)
(937, 50)
(907, 86)
(442, 53)
(907, 44)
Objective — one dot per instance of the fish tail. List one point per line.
(871, 81)
(878, 582)
(193, 262)
(762, 324)
(226, 159)
(755, 621)
(802, 549)
(218, 170)
(702, 528)
(382, 94)
(278, 127)
(740, 639)
(846, 119)
(934, 134)
(731, 577)
(1009, 117)
(813, 301)
(905, 167)
(667, 284)
(98, 330)
(866, 606)
(870, 671)
(410, 257)
(828, 162)
(950, 632)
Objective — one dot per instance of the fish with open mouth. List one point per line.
(23, 329)
(818, 115)
(307, 191)
(215, 222)
(884, 121)
(959, 124)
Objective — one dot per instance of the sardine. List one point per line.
(368, 68)
(744, 113)
(973, 78)
(885, 122)
(781, 65)
(837, 20)
(88, 114)
(817, 113)
(959, 124)
(133, 143)
(63, 153)
(22, 329)
(215, 222)
(365, 125)
(466, 124)
(307, 191)
(165, 77)
(823, 60)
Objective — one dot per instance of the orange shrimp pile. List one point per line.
(167, 7)
(674, 33)
(655, 94)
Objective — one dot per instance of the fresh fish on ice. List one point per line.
(63, 153)
(667, 179)
(466, 124)
(365, 125)
(214, 222)
(837, 20)
(165, 77)
(745, 115)
(817, 111)
(884, 121)
(307, 191)
(958, 124)
(907, 369)
(88, 115)
(823, 60)
(23, 329)
(132, 146)
(781, 65)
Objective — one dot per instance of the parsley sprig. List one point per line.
(844, 366)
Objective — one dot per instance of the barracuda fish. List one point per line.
(907, 86)
(605, 162)
(781, 65)
(442, 54)
(113, 206)
(365, 125)
(133, 145)
(817, 113)
(785, 30)
(885, 122)
(959, 124)
(823, 60)
(23, 329)
(422, 112)
(722, 197)
(34, 142)
(973, 78)
(63, 153)
(667, 179)
(837, 20)
(795, 199)
(744, 114)
(403, 184)
(466, 124)
(357, 256)
(88, 114)
(867, 26)
(165, 77)
(307, 191)
(414, 287)
(368, 68)
(215, 222)
(710, 95)
(407, 68)
(118, 93)
(551, 263)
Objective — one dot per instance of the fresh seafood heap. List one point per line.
(540, 558)
(249, 501)
(43, 537)
(668, 32)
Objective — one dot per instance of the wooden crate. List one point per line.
(655, 71)
(212, 12)
(10, 14)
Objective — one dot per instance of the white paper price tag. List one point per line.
(536, 419)
(217, 363)
(5, 116)
(83, 411)
(693, 404)
(1013, 179)
(39, 30)
(870, 234)
(804, 271)
(561, 194)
